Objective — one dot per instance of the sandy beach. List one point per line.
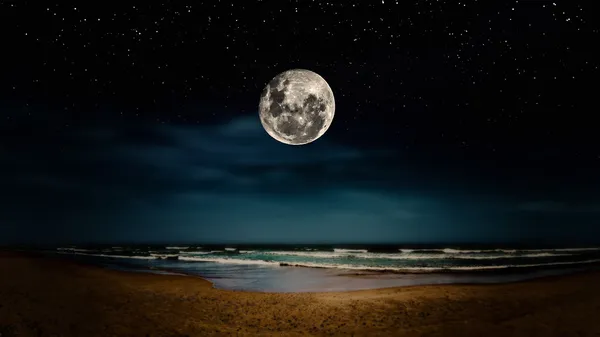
(50, 297)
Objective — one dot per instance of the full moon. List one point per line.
(296, 107)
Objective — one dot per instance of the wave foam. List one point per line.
(192, 253)
(343, 251)
(163, 256)
(382, 268)
(358, 266)
(137, 257)
(498, 250)
(410, 256)
(229, 261)
(477, 251)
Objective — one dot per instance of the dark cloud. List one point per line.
(119, 172)
(232, 181)
(546, 206)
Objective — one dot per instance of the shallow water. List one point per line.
(273, 278)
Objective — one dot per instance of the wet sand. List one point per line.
(50, 297)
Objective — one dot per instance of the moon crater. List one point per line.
(297, 107)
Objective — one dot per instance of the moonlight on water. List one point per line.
(297, 107)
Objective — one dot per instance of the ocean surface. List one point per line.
(303, 268)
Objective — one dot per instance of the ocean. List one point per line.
(301, 268)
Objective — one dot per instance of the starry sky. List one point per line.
(455, 122)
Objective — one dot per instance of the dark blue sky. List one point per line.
(454, 122)
(231, 182)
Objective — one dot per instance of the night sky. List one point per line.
(455, 122)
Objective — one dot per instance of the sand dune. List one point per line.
(49, 297)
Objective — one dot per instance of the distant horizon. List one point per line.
(515, 244)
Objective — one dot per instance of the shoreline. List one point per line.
(51, 296)
(376, 273)
(560, 271)
(365, 280)
(494, 276)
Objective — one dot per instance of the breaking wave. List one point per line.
(404, 259)
(414, 255)
(138, 257)
(349, 251)
(380, 268)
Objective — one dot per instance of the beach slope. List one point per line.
(42, 296)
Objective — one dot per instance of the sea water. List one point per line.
(303, 268)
